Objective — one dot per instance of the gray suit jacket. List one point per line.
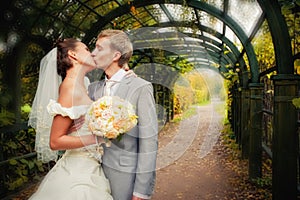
(130, 163)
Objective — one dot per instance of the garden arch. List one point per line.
(42, 22)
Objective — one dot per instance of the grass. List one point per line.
(185, 115)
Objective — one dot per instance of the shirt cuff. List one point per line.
(141, 195)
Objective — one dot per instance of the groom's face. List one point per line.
(103, 54)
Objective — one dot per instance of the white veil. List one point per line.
(39, 118)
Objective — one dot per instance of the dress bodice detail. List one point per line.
(75, 112)
(55, 108)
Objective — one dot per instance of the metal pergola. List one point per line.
(213, 34)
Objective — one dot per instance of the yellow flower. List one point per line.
(97, 113)
(119, 124)
(111, 135)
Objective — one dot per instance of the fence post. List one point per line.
(233, 113)
(285, 138)
(245, 117)
(255, 138)
(237, 116)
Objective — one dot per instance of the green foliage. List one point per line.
(264, 49)
(288, 5)
(6, 118)
(189, 90)
(185, 115)
(200, 96)
(232, 76)
(29, 73)
(199, 87)
(183, 98)
(260, 188)
(290, 10)
(229, 134)
(296, 102)
(265, 182)
(26, 108)
(19, 171)
(160, 56)
(166, 69)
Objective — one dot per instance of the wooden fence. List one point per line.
(265, 120)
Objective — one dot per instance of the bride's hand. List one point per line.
(129, 72)
(76, 124)
(136, 198)
(100, 140)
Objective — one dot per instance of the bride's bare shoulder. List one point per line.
(72, 94)
(66, 93)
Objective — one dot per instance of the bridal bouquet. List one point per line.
(111, 117)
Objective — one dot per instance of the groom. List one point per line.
(129, 164)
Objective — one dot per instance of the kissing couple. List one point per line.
(88, 169)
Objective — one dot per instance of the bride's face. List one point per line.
(84, 56)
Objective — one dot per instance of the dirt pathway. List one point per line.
(194, 164)
(188, 166)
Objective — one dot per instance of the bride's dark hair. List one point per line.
(63, 61)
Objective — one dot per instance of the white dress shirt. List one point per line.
(117, 77)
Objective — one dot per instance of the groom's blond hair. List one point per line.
(120, 42)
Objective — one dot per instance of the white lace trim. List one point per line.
(54, 108)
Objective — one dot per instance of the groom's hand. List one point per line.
(129, 72)
(136, 198)
(76, 125)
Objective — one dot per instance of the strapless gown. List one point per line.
(78, 175)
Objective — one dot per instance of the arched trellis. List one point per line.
(286, 83)
(232, 57)
(123, 9)
(180, 44)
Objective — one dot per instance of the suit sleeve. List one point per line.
(147, 142)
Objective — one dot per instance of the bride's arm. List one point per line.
(59, 138)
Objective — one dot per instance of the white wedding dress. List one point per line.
(78, 175)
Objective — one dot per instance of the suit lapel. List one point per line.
(122, 91)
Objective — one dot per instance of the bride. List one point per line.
(60, 99)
